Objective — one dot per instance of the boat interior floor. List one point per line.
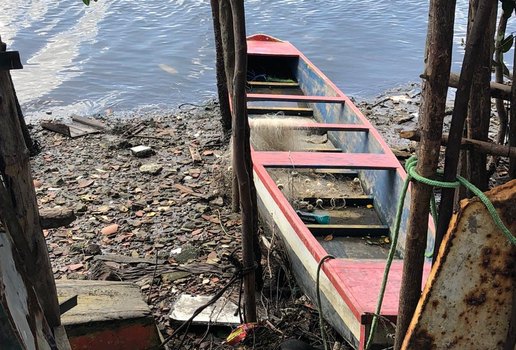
(353, 229)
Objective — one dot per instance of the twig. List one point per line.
(151, 137)
(221, 224)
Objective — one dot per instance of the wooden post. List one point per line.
(222, 87)
(473, 49)
(228, 46)
(500, 106)
(512, 127)
(479, 109)
(432, 110)
(17, 182)
(31, 146)
(241, 154)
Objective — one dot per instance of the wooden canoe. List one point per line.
(328, 161)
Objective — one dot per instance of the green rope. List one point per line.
(319, 302)
(410, 166)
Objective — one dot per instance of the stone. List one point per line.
(81, 208)
(151, 168)
(217, 201)
(92, 249)
(188, 252)
(142, 151)
(110, 230)
(170, 277)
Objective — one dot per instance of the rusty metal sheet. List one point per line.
(468, 302)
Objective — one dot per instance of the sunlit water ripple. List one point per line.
(133, 55)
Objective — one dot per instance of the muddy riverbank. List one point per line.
(163, 221)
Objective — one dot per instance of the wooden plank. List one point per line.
(325, 160)
(109, 315)
(296, 111)
(22, 323)
(296, 98)
(349, 230)
(468, 301)
(323, 149)
(273, 84)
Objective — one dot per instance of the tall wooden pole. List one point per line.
(433, 103)
(479, 109)
(512, 125)
(469, 65)
(222, 86)
(228, 48)
(16, 180)
(242, 159)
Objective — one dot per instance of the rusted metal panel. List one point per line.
(468, 301)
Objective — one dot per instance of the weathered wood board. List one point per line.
(469, 300)
(22, 325)
(108, 316)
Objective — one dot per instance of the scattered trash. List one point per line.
(78, 127)
(142, 151)
(240, 333)
(313, 218)
(223, 312)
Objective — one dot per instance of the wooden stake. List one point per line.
(222, 86)
(228, 45)
(512, 128)
(16, 178)
(473, 49)
(432, 111)
(501, 111)
(242, 158)
(479, 109)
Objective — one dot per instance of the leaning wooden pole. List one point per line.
(242, 161)
(222, 86)
(432, 110)
(460, 110)
(16, 180)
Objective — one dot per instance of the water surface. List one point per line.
(135, 55)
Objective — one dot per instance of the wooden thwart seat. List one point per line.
(295, 98)
(273, 84)
(325, 160)
(349, 230)
(291, 111)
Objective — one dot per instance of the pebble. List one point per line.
(151, 168)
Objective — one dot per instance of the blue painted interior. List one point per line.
(384, 185)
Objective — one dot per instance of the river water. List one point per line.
(127, 55)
